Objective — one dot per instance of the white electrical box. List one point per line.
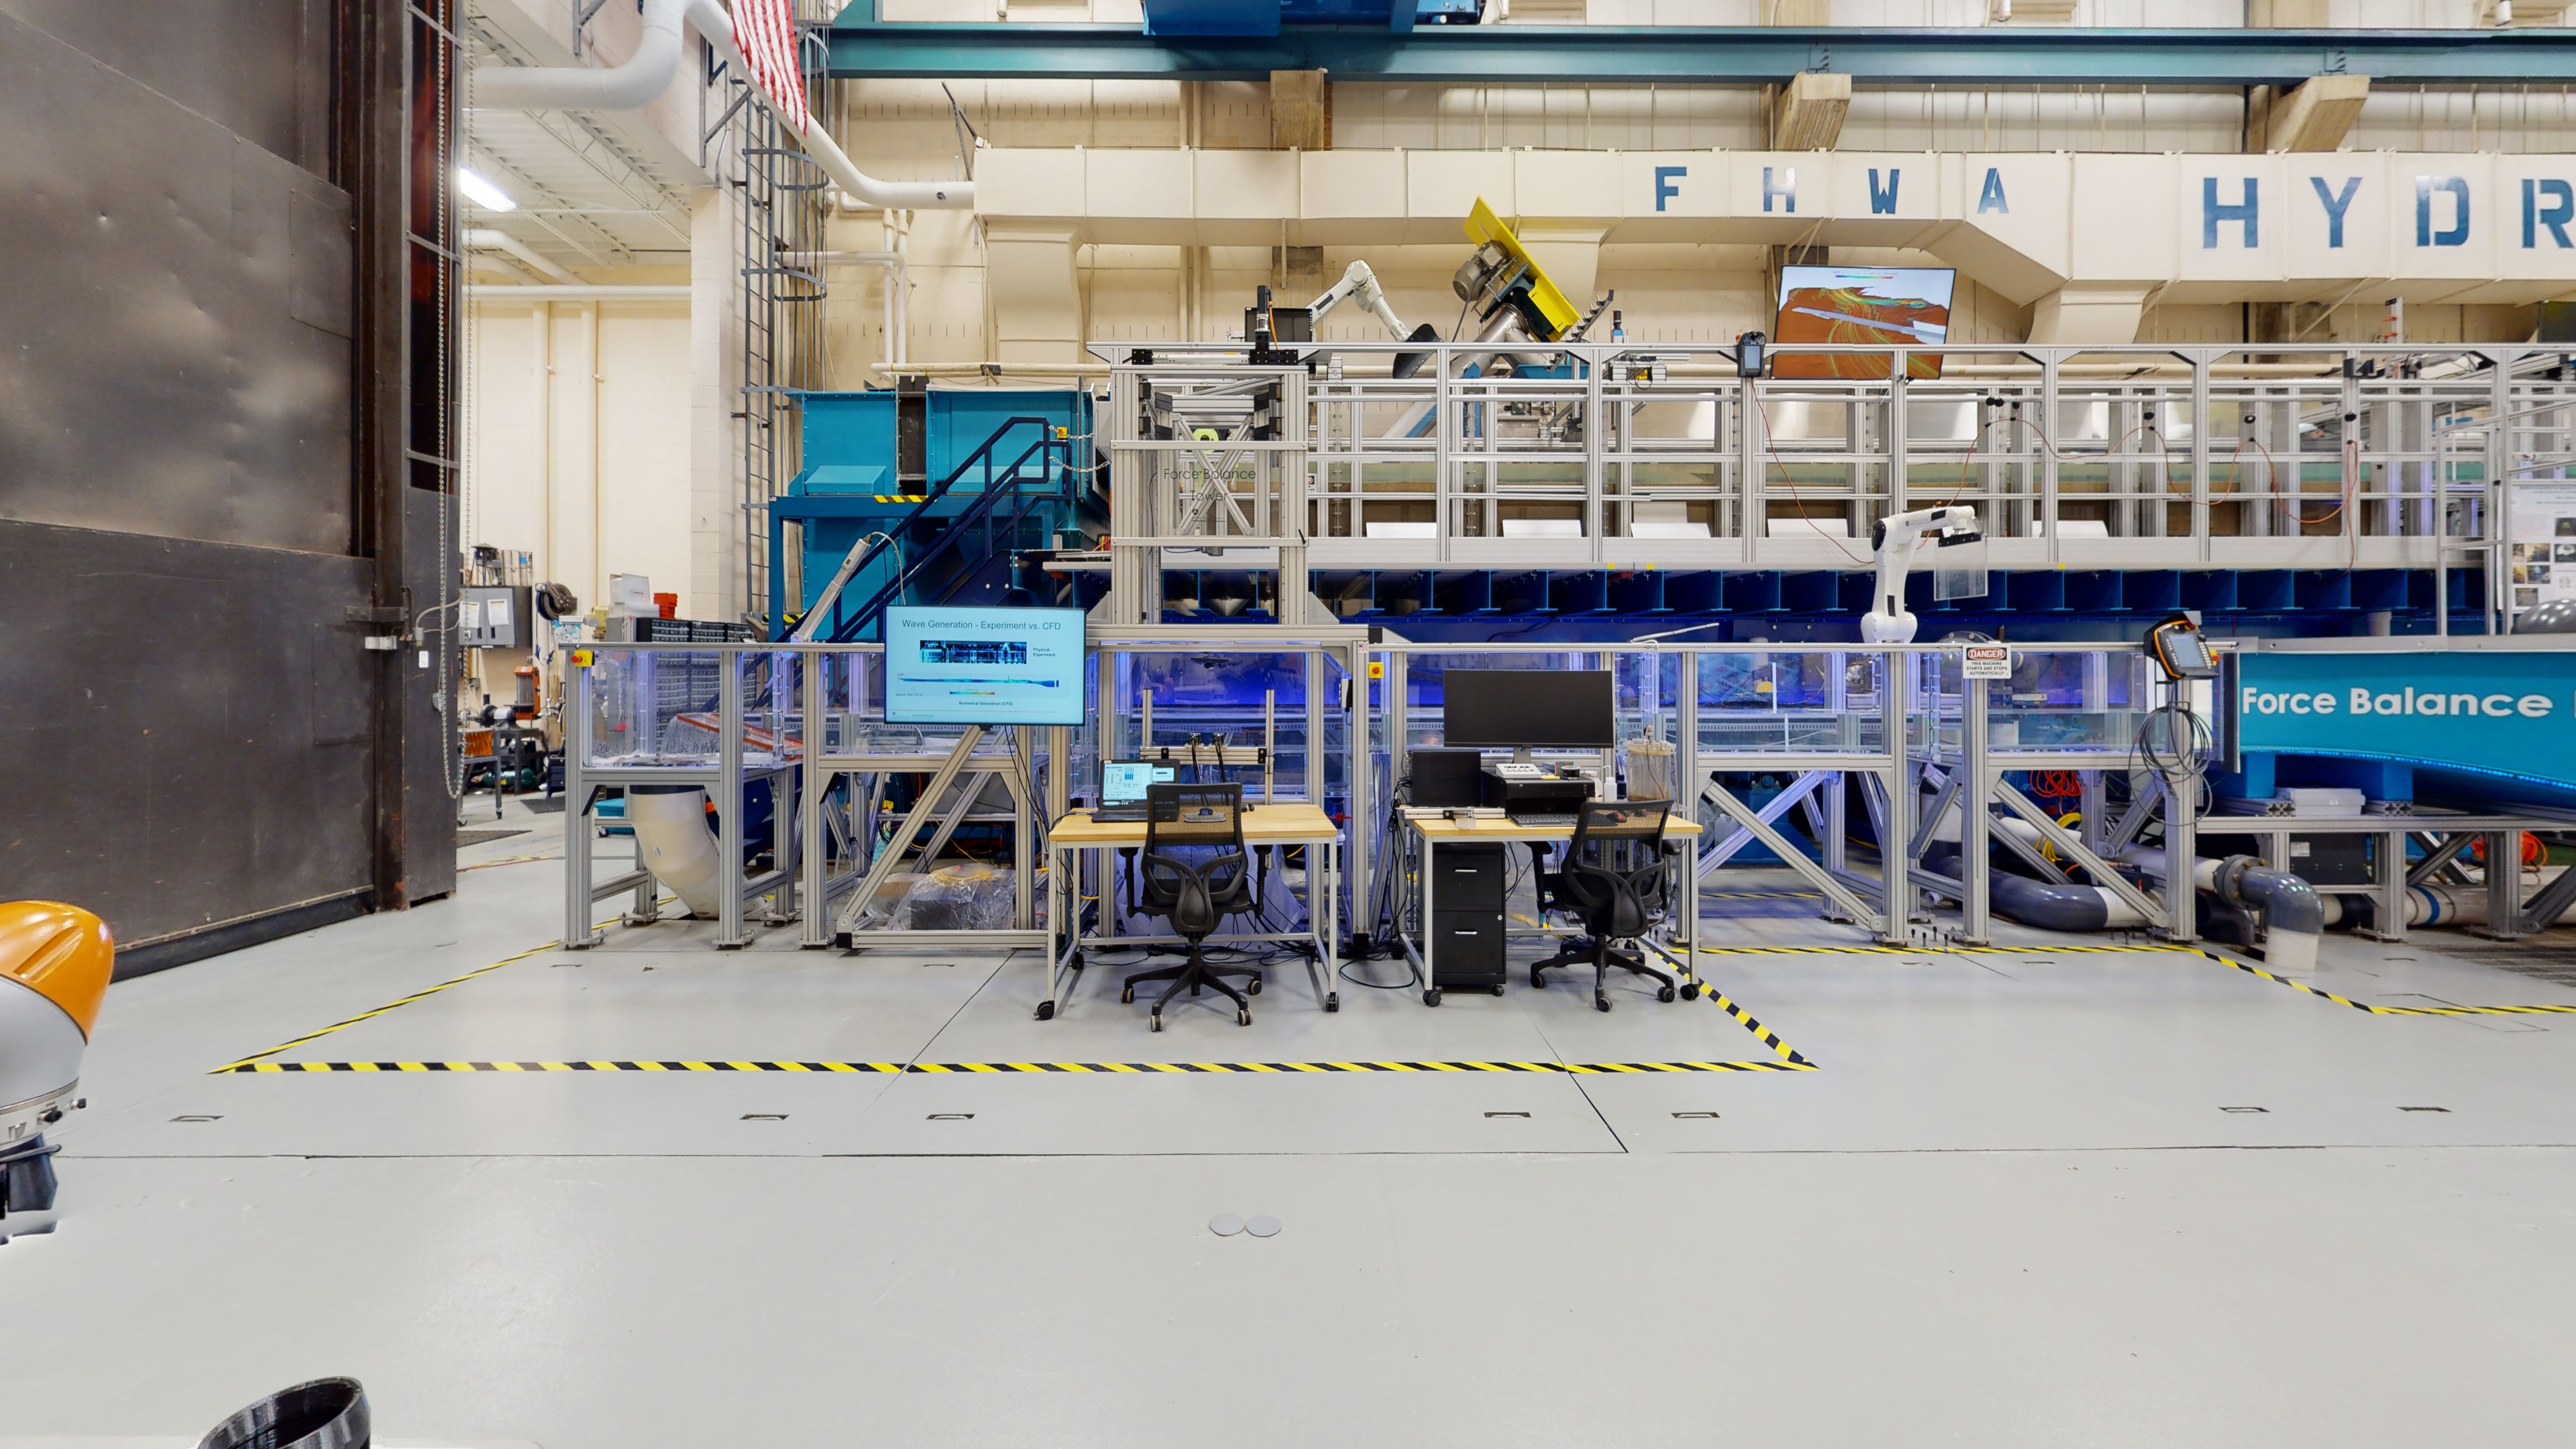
(2331, 803)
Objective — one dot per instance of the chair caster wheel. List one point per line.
(1603, 1002)
(1242, 1016)
(1157, 1021)
(1498, 988)
(1538, 979)
(1664, 995)
(1253, 988)
(1691, 992)
(1127, 996)
(1046, 1011)
(1431, 997)
(1076, 962)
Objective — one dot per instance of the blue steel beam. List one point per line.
(1527, 54)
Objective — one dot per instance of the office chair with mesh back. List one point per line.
(1196, 891)
(1614, 881)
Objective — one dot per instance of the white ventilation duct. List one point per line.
(650, 71)
(492, 239)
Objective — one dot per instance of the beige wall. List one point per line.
(581, 441)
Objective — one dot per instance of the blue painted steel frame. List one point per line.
(1523, 54)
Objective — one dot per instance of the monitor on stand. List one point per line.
(1525, 709)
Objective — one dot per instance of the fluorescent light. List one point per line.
(483, 193)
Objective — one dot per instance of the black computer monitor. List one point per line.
(1516, 709)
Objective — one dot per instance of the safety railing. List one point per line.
(2260, 456)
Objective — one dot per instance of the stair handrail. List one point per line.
(866, 549)
(850, 626)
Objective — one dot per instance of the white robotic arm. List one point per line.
(1895, 537)
(1359, 284)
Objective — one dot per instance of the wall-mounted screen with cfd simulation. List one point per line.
(983, 666)
(1866, 307)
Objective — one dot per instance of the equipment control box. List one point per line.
(493, 616)
(1536, 788)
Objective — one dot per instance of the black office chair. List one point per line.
(1194, 894)
(1614, 882)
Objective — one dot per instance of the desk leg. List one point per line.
(1430, 930)
(1330, 919)
(1690, 930)
(1056, 913)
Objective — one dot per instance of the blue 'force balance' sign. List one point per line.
(2488, 710)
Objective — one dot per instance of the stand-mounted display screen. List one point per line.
(983, 666)
(1527, 708)
(1861, 307)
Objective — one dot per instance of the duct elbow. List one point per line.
(642, 79)
(2289, 905)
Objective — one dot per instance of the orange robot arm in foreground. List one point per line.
(55, 961)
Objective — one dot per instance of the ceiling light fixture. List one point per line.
(483, 193)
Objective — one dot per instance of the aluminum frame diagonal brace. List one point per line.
(2067, 842)
(1778, 805)
(909, 831)
(1868, 916)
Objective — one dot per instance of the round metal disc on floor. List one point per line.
(1226, 1225)
(1264, 1226)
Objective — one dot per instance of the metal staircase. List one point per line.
(967, 559)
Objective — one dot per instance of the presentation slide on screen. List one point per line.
(983, 666)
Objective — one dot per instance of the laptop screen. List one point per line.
(1123, 782)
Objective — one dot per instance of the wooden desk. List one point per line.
(1434, 832)
(1265, 827)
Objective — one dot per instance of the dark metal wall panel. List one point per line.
(260, 69)
(157, 378)
(190, 744)
(202, 482)
(424, 735)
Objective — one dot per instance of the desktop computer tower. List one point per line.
(1467, 900)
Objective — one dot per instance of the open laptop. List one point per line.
(1122, 787)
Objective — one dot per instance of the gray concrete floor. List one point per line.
(2010, 1206)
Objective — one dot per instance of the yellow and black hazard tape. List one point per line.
(2165, 949)
(902, 497)
(419, 995)
(1788, 1058)
(1795, 1063)
(1761, 895)
(2279, 980)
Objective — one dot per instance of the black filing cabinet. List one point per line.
(1467, 897)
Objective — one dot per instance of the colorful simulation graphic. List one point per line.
(983, 666)
(1862, 307)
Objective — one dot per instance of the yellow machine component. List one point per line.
(54, 964)
(1484, 228)
(62, 953)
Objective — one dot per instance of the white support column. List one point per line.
(715, 395)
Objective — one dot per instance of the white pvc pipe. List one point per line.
(650, 71)
(493, 239)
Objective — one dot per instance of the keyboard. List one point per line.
(1119, 814)
(1550, 821)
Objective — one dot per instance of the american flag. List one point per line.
(765, 31)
